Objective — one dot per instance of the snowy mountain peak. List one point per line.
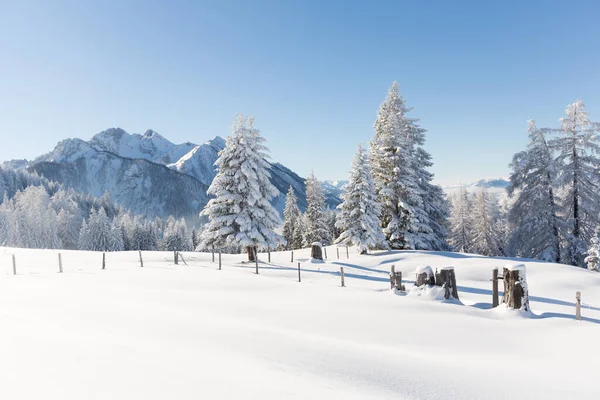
(150, 146)
(67, 150)
(151, 134)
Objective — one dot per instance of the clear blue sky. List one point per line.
(313, 73)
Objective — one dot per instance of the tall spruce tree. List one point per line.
(534, 211)
(487, 240)
(291, 221)
(577, 150)
(241, 214)
(461, 222)
(358, 219)
(315, 228)
(412, 208)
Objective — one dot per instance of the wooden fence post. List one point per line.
(141, 260)
(219, 259)
(269, 254)
(60, 270)
(256, 259)
(292, 255)
(347, 254)
(495, 300)
(578, 306)
(325, 249)
(392, 276)
(338, 252)
(14, 265)
(299, 278)
(176, 257)
(213, 254)
(342, 275)
(103, 260)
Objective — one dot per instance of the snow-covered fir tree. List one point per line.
(410, 215)
(487, 239)
(176, 237)
(435, 203)
(534, 211)
(461, 222)
(358, 219)
(331, 218)
(241, 214)
(95, 234)
(144, 235)
(577, 159)
(292, 223)
(315, 219)
(195, 239)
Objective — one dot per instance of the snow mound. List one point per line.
(433, 293)
(424, 269)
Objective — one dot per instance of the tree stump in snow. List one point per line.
(251, 250)
(447, 280)
(424, 276)
(316, 251)
(396, 279)
(516, 295)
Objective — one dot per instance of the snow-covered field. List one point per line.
(194, 332)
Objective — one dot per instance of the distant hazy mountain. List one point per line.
(150, 175)
(496, 186)
(15, 164)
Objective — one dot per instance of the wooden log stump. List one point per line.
(516, 295)
(316, 251)
(447, 280)
(424, 276)
(495, 296)
(396, 279)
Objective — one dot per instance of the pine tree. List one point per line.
(291, 220)
(241, 214)
(315, 228)
(299, 232)
(534, 212)
(577, 148)
(486, 237)
(358, 220)
(176, 237)
(116, 241)
(412, 208)
(84, 237)
(461, 222)
(195, 239)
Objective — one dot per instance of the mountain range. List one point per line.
(151, 176)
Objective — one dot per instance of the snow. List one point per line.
(424, 269)
(515, 267)
(190, 332)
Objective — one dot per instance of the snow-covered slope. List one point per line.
(192, 331)
(199, 162)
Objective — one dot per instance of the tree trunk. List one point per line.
(447, 279)
(425, 277)
(516, 295)
(316, 251)
(251, 250)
